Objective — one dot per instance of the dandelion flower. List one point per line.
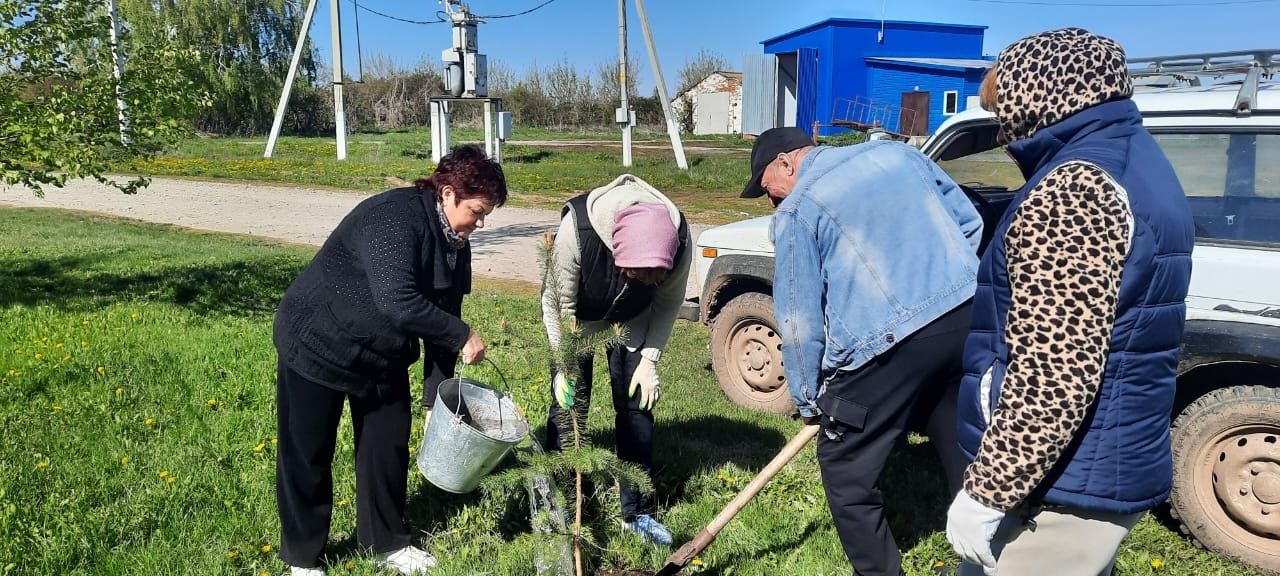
(57, 407)
(349, 565)
(258, 449)
(102, 370)
(1157, 563)
(171, 479)
(41, 465)
(266, 548)
(273, 440)
(342, 502)
(164, 473)
(119, 391)
(84, 322)
(212, 402)
(39, 356)
(938, 564)
(696, 562)
(149, 421)
(232, 554)
(124, 461)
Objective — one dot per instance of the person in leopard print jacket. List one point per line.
(1071, 362)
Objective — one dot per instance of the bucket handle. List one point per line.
(505, 384)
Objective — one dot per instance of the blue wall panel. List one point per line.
(844, 44)
(807, 88)
(888, 82)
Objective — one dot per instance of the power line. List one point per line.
(1124, 4)
(360, 6)
(518, 13)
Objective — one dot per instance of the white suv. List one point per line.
(1224, 142)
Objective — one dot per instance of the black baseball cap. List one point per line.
(768, 146)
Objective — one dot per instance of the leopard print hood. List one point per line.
(1044, 78)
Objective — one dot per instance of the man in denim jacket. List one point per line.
(875, 269)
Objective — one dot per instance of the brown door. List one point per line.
(913, 119)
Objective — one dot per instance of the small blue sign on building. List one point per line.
(844, 73)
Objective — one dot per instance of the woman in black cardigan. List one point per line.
(393, 272)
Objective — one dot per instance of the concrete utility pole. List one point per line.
(117, 70)
(288, 79)
(339, 116)
(672, 128)
(623, 116)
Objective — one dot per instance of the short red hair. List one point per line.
(470, 173)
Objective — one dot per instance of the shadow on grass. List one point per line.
(915, 493)
(233, 288)
(688, 448)
(528, 157)
(726, 564)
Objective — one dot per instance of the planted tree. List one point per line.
(578, 463)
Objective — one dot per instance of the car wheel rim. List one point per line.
(1243, 466)
(756, 350)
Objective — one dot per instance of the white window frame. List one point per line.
(944, 103)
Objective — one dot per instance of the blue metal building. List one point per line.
(842, 73)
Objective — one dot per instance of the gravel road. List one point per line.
(506, 248)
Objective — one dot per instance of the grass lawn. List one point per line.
(138, 429)
(538, 176)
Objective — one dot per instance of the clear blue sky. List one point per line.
(586, 31)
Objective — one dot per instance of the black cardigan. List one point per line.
(381, 281)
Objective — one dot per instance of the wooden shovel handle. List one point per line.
(704, 538)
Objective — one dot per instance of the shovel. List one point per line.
(685, 554)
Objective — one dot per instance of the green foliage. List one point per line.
(58, 95)
(846, 138)
(597, 465)
(243, 47)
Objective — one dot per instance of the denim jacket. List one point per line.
(873, 243)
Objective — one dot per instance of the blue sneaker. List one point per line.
(649, 529)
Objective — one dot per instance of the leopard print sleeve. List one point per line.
(1066, 248)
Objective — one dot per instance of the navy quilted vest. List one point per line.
(1120, 459)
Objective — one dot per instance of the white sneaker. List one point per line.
(296, 571)
(408, 560)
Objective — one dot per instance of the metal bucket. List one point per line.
(471, 429)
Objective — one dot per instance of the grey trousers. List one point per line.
(1064, 542)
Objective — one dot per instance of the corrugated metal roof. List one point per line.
(944, 63)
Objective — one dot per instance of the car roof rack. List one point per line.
(1254, 64)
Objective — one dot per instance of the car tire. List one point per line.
(746, 354)
(1226, 474)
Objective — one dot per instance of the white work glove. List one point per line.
(971, 525)
(645, 379)
(562, 389)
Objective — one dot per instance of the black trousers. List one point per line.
(866, 411)
(437, 366)
(308, 417)
(633, 427)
